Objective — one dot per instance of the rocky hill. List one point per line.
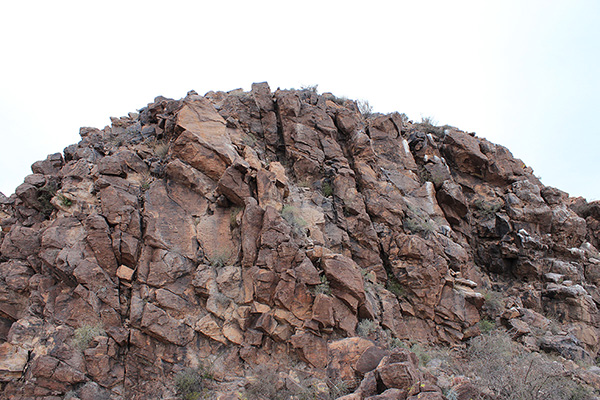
(269, 245)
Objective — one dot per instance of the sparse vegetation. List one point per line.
(429, 121)
(145, 185)
(323, 287)
(44, 197)
(337, 388)
(221, 257)
(161, 149)
(339, 100)
(265, 385)
(326, 189)
(290, 214)
(496, 363)
(64, 200)
(268, 384)
(404, 118)
(84, 335)
(417, 221)
(486, 326)
(191, 383)
(235, 211)
(487, 208)
(366, 327)
(365, 108)
(494, 303)
(424, 353)
(427, 176)
(395, 287)
(249, 140)
(415, 225)
(310, 88)
(304, 183)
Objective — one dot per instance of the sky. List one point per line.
(522, 73)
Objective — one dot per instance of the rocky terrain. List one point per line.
(249, 245)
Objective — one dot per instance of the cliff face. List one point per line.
(257, 228)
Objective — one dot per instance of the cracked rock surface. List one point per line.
(240, 229)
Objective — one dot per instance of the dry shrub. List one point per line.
(496, 363)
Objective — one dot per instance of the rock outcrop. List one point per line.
(232, 230)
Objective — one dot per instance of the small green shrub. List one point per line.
(427, 176)
(421, 352)
(44, 197)
(337, 388)
(487, 208)
(221, 257)
(191, 383)
(84, 335)
(304, 183)
(64, 200)
(366, 327)
(368, 276)
(326, 189)
(266, 384)
(393, 342)
(486, 326)
(396, 288)
(323, 287)
(494, 303)
(290, 214)
(417, 225)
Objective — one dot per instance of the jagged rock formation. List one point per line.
(257, 228)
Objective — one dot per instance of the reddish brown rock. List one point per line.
(238, 228)
(311, 348)
(346, 279)
(157, 322)
(204, 143)
(13, 360)
(98, 237)
(399, 370)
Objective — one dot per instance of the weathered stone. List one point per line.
(345, 278)
(311, 348)
(50, 166)
(464, 151)
(98, 237)
(233, 186)
(13, 360)
(322, 311)
(566, 345)
(231, 229)
(399, 370)
(157, 322)
(168, 226)
(251, 227)
(344, 355)
(21, 242)
(204, 143)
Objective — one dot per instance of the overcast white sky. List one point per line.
(522, 73)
